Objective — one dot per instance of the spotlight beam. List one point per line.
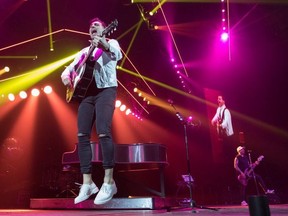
(19, 57)
(132, 41)
(118, 67)
(30, 40)
(211, 1)
(40, 37)
(158, 6)
(25, 81)
(50, 26)
(163, 85)
(173, 39)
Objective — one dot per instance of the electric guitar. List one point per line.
(82, 77)
(220, 131)
(248, 172)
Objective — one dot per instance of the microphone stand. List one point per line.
(186, 123)
(253, 173)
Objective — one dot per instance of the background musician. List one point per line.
(244, 167)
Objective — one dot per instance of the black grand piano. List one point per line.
(129, 157)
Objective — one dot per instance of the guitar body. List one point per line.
(243, 179)
(83, 76)
(248, 172)
(81, 84)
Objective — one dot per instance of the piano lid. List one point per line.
(140, 153)
(124, 153)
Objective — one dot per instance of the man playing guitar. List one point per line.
(245, 170)
(92, 82)
(222, 119)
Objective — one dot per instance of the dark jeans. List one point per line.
(96, 109)
(259, 181)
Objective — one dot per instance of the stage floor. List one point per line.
(276, 210)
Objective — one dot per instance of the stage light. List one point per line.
(22, 94)
(128, 111)
(117, 103)
(11, 97)
(224, 36)
(123, 107)
(135, 89)
(6, 69)
(47, 89)
(35, 92)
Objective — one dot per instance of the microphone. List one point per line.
(249, 151)
(193, 121)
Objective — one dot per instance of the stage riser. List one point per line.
(116, 203)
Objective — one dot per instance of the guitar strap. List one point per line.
(222, 115)
(84, 58)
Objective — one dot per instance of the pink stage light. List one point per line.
(224, 36)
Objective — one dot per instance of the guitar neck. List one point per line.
(91, 48)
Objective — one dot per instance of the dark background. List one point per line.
(254, 83)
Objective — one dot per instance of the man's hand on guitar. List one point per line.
(243, 176)
(67, 82)
(100, 42)
(95, 41)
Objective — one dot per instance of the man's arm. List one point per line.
(237, 167)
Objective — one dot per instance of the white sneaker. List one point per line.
(105, 194)
(244, 203)
(86, 190)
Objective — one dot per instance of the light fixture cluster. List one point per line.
(123, 108)
(148, 16)
(181, 76)
(35, 92)
(141, 95)
(224, 20)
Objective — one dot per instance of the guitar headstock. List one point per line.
(110, 28)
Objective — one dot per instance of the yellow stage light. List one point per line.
(4, 70)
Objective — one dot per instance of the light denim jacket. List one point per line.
(104, 70)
